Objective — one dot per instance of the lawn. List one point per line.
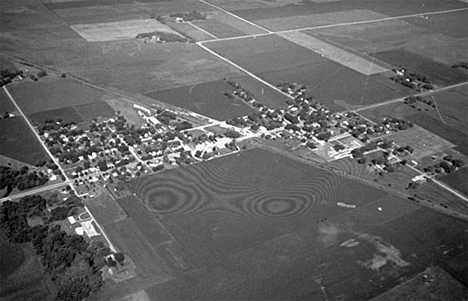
(458, 180)
(39, 96)
(18, 142)
(206, 99)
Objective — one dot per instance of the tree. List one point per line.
(119, 257)
(111, 262)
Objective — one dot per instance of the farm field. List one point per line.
(387, 8)
(438, 73)
(122, 30)
(338, 87)
(5, 103)
(441, 198)
(396, 34)
(18, 142)
(250, 233)
(21, 274)
(106, 210)
(437, 127)
(206, 99)
(452, 107)
(35, 97)
(458, 180)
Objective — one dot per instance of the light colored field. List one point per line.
(333, 53)
(295, 22)
(122, 30)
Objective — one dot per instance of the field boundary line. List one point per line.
(236, 16)
(269, 32)
(204, 31)
(243, 69)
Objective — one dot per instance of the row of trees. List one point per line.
(22, 179)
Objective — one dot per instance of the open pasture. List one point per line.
(35, 97)
(333, 53)
(106, 210)
(122, 30)
(458, 180)
(18, 142)
(206, 99)
(338, 87)
(452, 24)
(93, 110)
(438, 73)
(437, 127)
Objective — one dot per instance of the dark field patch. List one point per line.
(90, 3)
(219, 29)
(93, 110)
(66, 114)
(204, 98)
(17, 141)
(265, 53)
(21, 274)
(26, 15)
(451, 24)
(329, 81)
(5, 103)
(437, 127)
(35, 97)
(458, 180)
(453, 107)
(438, 73)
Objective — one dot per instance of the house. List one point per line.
(179, 20)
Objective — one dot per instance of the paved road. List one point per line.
(35, 191)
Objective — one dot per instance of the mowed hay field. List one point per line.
(206, 99)
(39, 96)
(18, 142)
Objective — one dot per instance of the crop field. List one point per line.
(458, 180)
(205, 98)
(263, 93)
(67, 114)
(265, 53)
(439, 74)
(5, 103)
(394, 109)
(223, 25)
(95, 109)
(438, 196)
(333, 53)
(35, 97)
(189, 30)
(317, 19)
(392, 34)
(122, 30)
(422, 141)
(452, 107)
(21, 274)
(18, 142)
(338, 87)
(451, 24)
(439, 128)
